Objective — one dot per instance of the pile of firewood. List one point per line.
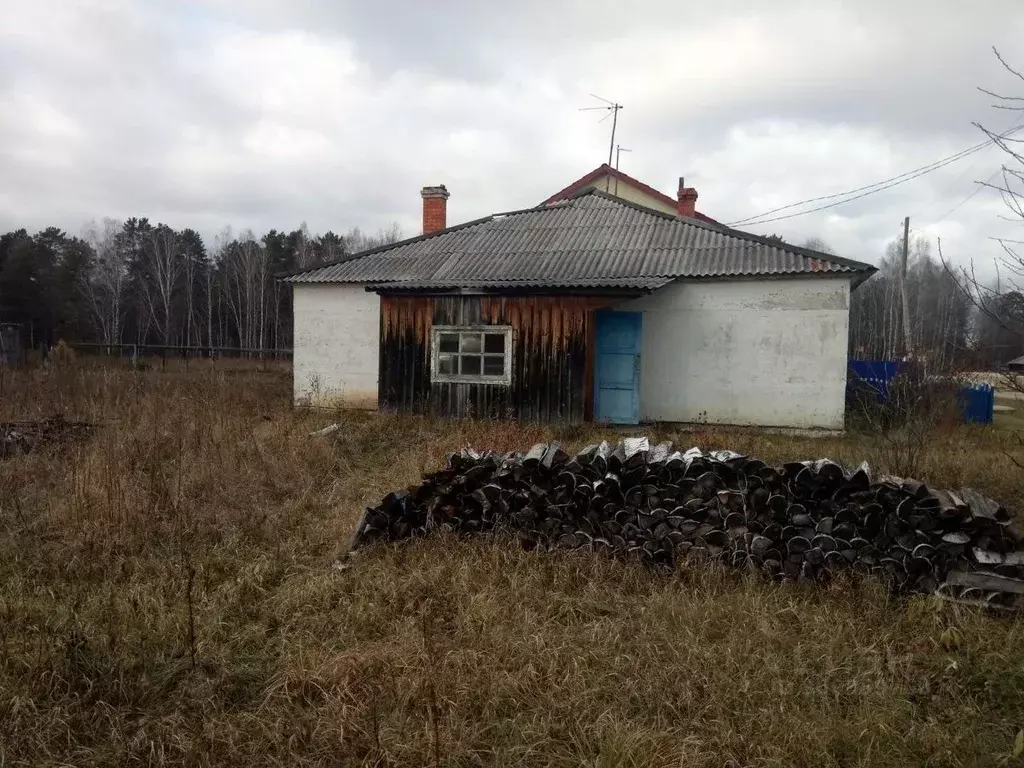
(802, 521)
(17, 437)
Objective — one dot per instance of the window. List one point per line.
(478, 354)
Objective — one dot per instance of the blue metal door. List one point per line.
(617, 367)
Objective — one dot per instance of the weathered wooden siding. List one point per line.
(552, 377)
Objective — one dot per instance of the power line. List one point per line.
(869, 189)
(851, 199)
(902, 176)
(977, 189)
(961, 177)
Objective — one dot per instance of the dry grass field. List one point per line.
(167, 597)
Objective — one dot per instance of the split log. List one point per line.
(801, 521)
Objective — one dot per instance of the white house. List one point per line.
(588, 306)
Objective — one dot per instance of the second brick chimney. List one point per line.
(435, 208)
(687, 199)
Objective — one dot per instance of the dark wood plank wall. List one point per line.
(552, 376)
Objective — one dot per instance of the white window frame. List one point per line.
(458, 378)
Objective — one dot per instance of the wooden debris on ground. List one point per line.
(330, 429)
(800, 522)
(18, 437)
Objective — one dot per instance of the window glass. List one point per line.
(470, 365)
(494, 342)
(449, 342)
(446, 364)
(470, 342)
(494, 366)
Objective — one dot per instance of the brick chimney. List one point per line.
(687, 199)
(435, 208)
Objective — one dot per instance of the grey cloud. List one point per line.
(263, 114)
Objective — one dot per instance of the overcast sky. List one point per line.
(266, 113)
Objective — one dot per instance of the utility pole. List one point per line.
(907, 345)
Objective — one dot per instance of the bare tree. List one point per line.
(190, 277)
(194, 263)
(356, 240)
(817, 244)
(1012, 187)
(1000, 305)
(940, 314)
(162, 267)
(104, 285)
(245, 268)
(305, 254)
(136, 283)
(221, 243)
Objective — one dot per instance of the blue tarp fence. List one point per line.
(976, 401)
(876, 374)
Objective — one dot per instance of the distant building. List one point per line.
(1016, 365)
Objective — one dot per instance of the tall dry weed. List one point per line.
(167, 597)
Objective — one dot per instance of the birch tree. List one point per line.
(128, 281)
(221, 243)
(940, 314)
(193, 266)
(104, 284)
(245, 284)
(162, 268)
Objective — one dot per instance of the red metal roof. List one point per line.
(586, 180)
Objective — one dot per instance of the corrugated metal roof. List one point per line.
(594, 236)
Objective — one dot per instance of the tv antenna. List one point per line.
(619, 149)
(612, 108)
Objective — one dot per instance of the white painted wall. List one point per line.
(337, 341)
(628, 192)
(758, 352)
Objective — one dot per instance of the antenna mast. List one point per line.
(612, 107)
(619, 149)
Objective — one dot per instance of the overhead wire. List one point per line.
(869, 189)
(903, 176)
(976, 190)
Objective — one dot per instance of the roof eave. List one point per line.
(862, 277)
(386, 290)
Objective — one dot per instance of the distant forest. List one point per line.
(953, 324)
(134, 282)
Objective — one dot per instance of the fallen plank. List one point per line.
(329, 429)
(971, 603)
(990, 582)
